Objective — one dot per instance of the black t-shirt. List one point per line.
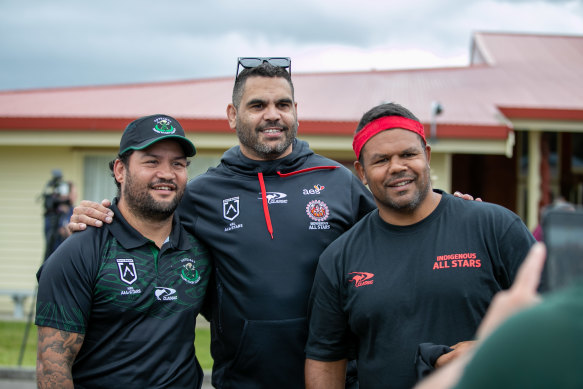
(135, 303)
(392, 287)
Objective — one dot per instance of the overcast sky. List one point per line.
(59, 43)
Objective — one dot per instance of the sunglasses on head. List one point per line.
(253, 62)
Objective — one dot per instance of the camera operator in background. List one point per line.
(58, 198)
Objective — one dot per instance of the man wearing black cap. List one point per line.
(116, 306)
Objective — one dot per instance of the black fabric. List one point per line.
(139, 332)
(394, 287)
(426, 356)
(259, 306)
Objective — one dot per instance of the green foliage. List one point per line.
(12, 333)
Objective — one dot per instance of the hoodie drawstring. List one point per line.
(264, 192)
(265, 207)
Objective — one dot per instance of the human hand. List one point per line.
(522, 293)
(458, 349)
(90, 213)
(465, 196)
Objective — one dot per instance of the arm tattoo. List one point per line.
(56, 351)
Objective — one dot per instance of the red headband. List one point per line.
(382, 124)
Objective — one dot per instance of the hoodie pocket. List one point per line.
(270, 354)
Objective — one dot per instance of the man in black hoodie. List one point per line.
(266, 213)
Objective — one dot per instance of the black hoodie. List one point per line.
(266, 223)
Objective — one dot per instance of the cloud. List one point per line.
(66, 42)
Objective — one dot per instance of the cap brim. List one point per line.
(186, 144)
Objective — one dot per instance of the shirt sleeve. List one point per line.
(65, 284)
(328, 333)
(515, 243)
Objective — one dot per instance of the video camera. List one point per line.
(57, 192)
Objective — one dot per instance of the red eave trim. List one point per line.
(307, 127)
(101, 124)
(542, 113)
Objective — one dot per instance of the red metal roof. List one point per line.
(511, 76)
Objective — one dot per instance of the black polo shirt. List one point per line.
(135, 303)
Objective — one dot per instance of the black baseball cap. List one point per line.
(147, 130)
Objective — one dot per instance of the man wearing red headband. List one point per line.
(412, 280)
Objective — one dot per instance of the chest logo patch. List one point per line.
(127, 270)
(361, 278)
(189, 272)
(231, 208)
(317, 210)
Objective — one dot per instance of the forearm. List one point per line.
(53, 376)
(56, 351)
(325, 375)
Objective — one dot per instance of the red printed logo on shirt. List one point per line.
(361, 278)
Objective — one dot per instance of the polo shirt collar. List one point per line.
(130, 238)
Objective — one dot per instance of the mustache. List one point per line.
(273, 123)
(170, 183)
(400, 176)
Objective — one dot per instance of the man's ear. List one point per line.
(232, 116)
(360, 172)
(428, 153)
(119, 171)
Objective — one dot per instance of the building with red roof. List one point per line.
(510, 130)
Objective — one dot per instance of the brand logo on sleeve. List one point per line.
(127, 270)
(165, 294)
(361, 278)
(316, 189)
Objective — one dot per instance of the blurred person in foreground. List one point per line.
(116, 306)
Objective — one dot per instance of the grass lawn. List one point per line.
(12, 332)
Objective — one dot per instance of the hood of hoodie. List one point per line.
(236, 161)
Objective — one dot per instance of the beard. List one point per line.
(250, 138)
(141, 203)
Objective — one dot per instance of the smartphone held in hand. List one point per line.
(563, 237)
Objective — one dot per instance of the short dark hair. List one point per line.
(125, 159)
(382, 110)
(263, 70)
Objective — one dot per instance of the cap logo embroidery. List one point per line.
(164, 126)
(361, 278)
